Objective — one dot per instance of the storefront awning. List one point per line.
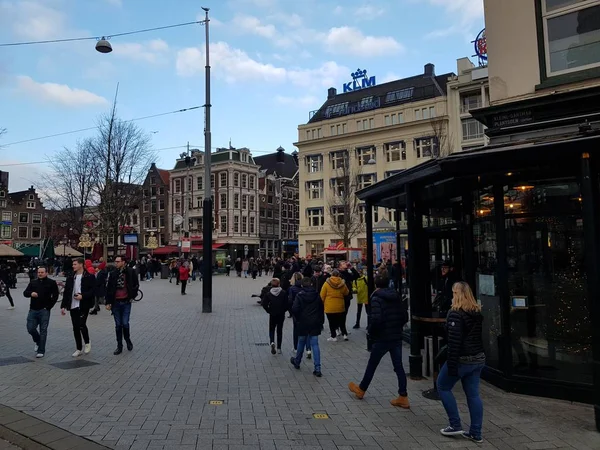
(200, 247)
(166, 250)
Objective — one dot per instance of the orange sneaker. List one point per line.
(401, 401)
(357, 390)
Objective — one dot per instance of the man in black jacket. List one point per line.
(349, 274)
(78, 299)
(275, 302)
(122, 287)
(43, 293)
(389, 314)
(309, 313)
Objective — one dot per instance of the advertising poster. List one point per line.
(384, 247)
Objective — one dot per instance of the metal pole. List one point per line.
(207, 203)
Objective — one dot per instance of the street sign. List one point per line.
(186, 245)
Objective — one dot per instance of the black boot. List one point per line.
(127, 338)
(119, 350)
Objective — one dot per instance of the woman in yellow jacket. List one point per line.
(332, 293)
(361, 288)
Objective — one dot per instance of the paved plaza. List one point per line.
(159, 396)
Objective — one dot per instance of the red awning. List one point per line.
(166, 250)
(200, 247)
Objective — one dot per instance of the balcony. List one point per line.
(469, 104)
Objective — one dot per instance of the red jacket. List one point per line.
(184, 273)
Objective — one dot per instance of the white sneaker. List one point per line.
(330, 339)
(345, 337)
(39, 355)
(279, 351)
(87, 348)
(308, 354)
(35, 348)
(10, 307)
(77, 353)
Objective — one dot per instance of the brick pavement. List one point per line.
(157, 397)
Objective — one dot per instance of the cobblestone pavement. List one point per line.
(7, 446)
(158, 396)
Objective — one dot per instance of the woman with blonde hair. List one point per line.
(466, 359)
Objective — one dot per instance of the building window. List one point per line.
(199, 184)
(23, 233)
(366, 180)
(145, 207)
(469, 102)
(307, 134)
(152, 180)
(315, 189)
(388, 119)
(212, 181)
(314, 163)
(2, 194)
(23, 217)
(236, 201)
(244, 224)
(400, 117)
(146, 223)
(338, 159)
(190, 183)
(177, 186)
(134, 219)
(251, 201)
(252, 225)
(432, 111)
(223, 203)
(337, 215)
(30, 205)
(315, 216)
(244, 202)
(571, 35)
(153, 207)
(223, 224)
(223, 179)
(251, 182)
(6, 232)
(471, 129)
(417, 114)
(36, 218)
(425, 113)
(244, 181)
(153, 191)
(365, 154)
(339, 186)
(7, 216)
(424, 147)
(161, 191)
(2, 203)
(395, 151)
(236, 224)
(161, 205)
(161, 221)
(270, 199)
(177, 207)
(236, 179)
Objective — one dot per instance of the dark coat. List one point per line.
(389, 314)
(88, 286)
(285, 280)
(308, 312)
(349, 277)
(275, 302)
(47, 291)
(292, 292)
(101, 279)
(131, 282)
(464, 337)
(319, 281)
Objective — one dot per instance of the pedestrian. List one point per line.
(121, 288)
(228, 266)
(245, 266)
(275, 303)
(184, 275)
(5, 284)
(350, 275)
(465, 360)
(296, 287)
(43, 293)
(362, 297)
(78, 298)
(100, 289)
(333, 292)
(173, 272)
(389, 314)
(309, 316)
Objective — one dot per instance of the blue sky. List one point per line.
(272, 62)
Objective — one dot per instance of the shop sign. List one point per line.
(512, 119)
(360, 80)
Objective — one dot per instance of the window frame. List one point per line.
(389, 151)
(33, 218)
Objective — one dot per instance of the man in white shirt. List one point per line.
(78, 298)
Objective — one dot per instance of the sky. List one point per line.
(272, 62)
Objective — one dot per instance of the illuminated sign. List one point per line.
(480, 44)
(360, 80)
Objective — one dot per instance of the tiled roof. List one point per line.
(286, 169)
(164, 176)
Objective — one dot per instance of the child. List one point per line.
(309, 313)
(275, 302)
(362, 297)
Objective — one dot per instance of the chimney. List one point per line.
(429, 70)
(153, 166)
(280, 155)
(331, 93)
(295, 156)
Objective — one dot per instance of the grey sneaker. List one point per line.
(450, 431)
(472, 437)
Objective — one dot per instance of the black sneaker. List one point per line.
(273, 351)
(129, 345)
(356, 327)
(118, 351)
(317, 374)
(294, 363)
(450, 431)
(471, 437)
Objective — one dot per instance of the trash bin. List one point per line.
(164, 271)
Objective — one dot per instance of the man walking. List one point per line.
(78, 299)
(43, 293)
(389, 314)
(122, 287)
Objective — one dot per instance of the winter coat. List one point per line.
(275, 302)
(349, 276)
(464, 337)
(88, 284)
(245, 265)
(318, 281)
(184, 273)
(389, 314)
(47, 291)
(292, 292)
(333, 292)
(362, 290)
(308, 312)
(285, 280)
(101, 279)
(132, 283)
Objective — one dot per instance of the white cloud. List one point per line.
(252, 25)
(466, 11)
(351, 41)
(290, 20)
(302, 101)
(234, 65)
(33, 20)
(368, 12)
(152, 52)
(58, 93)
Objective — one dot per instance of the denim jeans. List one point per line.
(469, 375)
(313, 341)
(39, 318)
(296, 339)
(378, 351)
(121, 312)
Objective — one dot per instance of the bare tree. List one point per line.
(69, 185)
(122, 154)
(443, 145)
(344, 205)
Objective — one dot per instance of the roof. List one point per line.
(407, 90)
(164, 175)
(270, 163)
(221, 155)
(19, 196)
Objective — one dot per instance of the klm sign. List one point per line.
(360, 80)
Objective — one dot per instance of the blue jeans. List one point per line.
(469, 375)
(378, 351)
(303, 342)
(121, 312)
(39, 318)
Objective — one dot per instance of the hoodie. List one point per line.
(275, 302)
(464, 338)
(333, 292)
(389, 314)
(308, 312)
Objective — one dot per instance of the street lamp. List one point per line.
(103, 46)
